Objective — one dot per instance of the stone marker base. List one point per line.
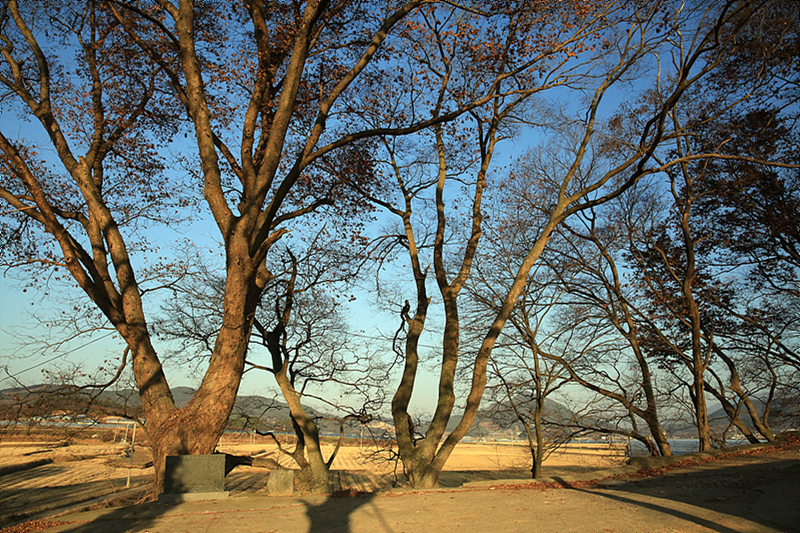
(280, 482)
(192, 497)
(191, 478)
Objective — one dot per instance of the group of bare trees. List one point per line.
(331, 141)
(682, 287)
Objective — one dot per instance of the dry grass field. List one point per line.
(467, 456)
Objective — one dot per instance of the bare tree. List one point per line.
(300, 338)
(522, 384)
(631, 38)
(264, 93)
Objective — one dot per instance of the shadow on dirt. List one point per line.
(133, 518)
(23, 498)
(333, 515)
(758, 492)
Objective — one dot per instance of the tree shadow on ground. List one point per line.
(121, 520)
(333, 514)
(759, 492)
(23, 500)
(456, 478)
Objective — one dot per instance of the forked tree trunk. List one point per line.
(193, 430)
(313, 468)
(420, 469)
(736, 386)
(196, 428)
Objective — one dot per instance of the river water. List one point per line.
(678, 446)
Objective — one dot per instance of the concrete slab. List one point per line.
(191, 497)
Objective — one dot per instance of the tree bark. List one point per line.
(313, 468)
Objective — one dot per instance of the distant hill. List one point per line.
(273, 414)
(44, 401)
(783, 415)
(491, 422)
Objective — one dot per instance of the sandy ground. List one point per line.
(38, 480)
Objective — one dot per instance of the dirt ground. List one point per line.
(753, 490)
(40, 480)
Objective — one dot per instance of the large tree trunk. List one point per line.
(697, 394)
(197, 428)
(657, 432)
(184, 431)
(413, 457)
(193, 430)
(422, 460)
(419, 468)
